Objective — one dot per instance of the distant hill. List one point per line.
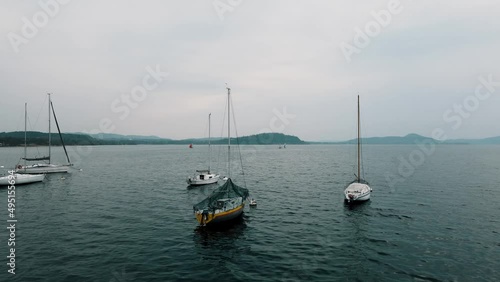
(390, 140)
(111, 136)
(264, 139)
(484, 141)
(41, 139)
(411, 139)
(387, 140)
(258, 139)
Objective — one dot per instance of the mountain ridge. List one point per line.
(413, 138)
(35, 138)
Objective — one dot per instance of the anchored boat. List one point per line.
(226, 202)
(19, 179)
(359, 190)
(205, 176)
(46, 167)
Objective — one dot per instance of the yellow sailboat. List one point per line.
(226, 202)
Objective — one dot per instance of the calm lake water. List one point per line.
(127, 216)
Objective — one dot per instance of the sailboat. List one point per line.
(205, 176)
(227, 201)
(359, 190)
(18, 179)
(46, 167)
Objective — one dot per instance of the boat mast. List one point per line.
(209, 145)
(359, 144)
(60, 135)
(25, 128)
(49, 128)
(228, 132)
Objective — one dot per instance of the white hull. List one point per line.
(357, 192)
(42, 168)
(21, 179)
(203, 179)
(253, 203)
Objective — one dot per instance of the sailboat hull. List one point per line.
(42, 168)
(364, 198)
(226, 203)
(357, 192)
(198, 180)
(218, 218)
(194, 182)
(21, 179)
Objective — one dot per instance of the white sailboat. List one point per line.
(205, 176)
(46, 167)
(227, 201)
(18, 179)
(358, 190)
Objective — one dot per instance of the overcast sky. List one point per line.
(422, 58)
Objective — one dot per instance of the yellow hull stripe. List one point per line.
(211, 216)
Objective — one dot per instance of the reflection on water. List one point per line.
(220, 237)
(221, 249)
(107, 223)
(357, 206)
(357, 220)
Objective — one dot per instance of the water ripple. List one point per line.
(128, 217)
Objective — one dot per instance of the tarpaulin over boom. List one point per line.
(226, 191)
